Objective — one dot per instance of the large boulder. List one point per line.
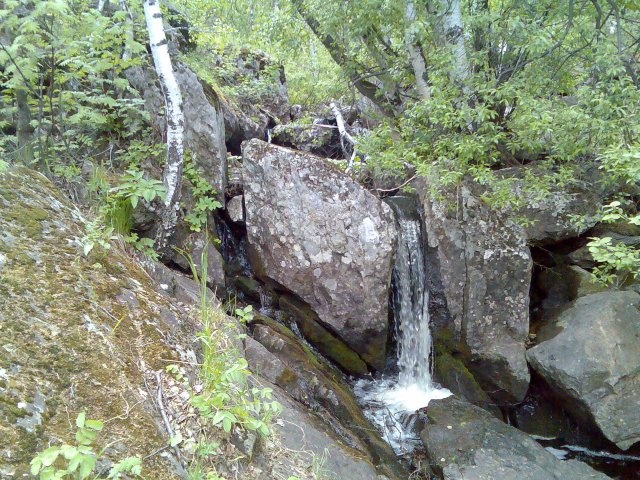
(485, 271)
(316, 446)
(78, 334)
(591, 355)
(464, 442)
(551, 214)
(322, 236)
(204, 126)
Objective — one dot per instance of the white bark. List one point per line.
(415, 55)
(175, 120)
(101, 5)
(344, 135)
(126, 54)
(454, 36)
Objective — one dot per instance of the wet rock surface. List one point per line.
(484, 265)
(591, 354)
(277, 355)
(325, 238)
(465, 442)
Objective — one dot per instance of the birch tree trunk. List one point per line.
(454, 36)
(172, 176)
(415, 54)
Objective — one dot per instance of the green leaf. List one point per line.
(176, 439)
(74, 463)
(96, 425)
(49, 456)
(87, 465)
(36, 465)
(68, 451)
(81, 419)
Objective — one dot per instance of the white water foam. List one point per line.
(391, 403)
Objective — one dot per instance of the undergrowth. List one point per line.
(226, 397)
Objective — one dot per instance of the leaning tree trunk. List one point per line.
(175, 123)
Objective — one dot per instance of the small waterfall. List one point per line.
(390, 402)
(411, 304)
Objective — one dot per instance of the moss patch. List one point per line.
(58, 317)
(327, 343)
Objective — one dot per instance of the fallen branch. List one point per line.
(385, 190)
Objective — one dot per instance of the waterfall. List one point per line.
(391, 401)
(411, 304)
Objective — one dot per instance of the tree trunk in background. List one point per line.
(415, 54)
(175, 122)
(454, 36)
(24, 131)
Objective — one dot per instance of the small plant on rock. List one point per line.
(78, 462)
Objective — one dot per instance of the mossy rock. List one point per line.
(322, 389)
(327, 343)
(77, 333)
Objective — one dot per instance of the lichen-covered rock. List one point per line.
(322, 236)
(464, 442)
(235, 208)
(551, 213)
(317, 139)
(591, 355)
(77, 334)
(485, 269)
(204, 129)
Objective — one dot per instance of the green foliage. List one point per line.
(245, 314)
(143, 245)
(4, 166)
(96, 234)
(227, 399)
(225, 29)
(134, 186)
(66, 59)
(77, 462)
(617, 262)
(204, 196)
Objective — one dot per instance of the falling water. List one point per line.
(391, 402)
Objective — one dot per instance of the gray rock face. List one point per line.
(319, 140)
(325, 238)
(550, 214)
(594, 359)
(194, 245)
(465, 442)
(485, 269)
(280, 358)
(235, 209)
(204, 132)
